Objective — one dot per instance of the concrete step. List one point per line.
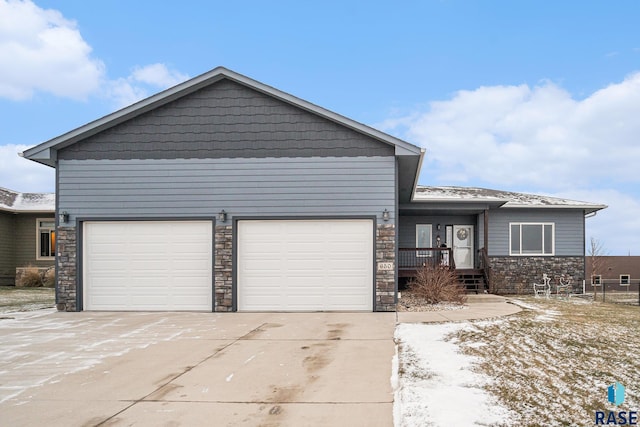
(483, 298)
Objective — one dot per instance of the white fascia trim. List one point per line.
(533, 206)
(415, 181)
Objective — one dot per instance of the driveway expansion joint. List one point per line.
(172, 379)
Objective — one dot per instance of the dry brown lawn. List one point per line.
(552, 363)
(25, 299)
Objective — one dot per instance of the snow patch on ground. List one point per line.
(90, 342)
(435, 379)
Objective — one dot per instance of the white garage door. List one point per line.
(147, 265)
(305, 265)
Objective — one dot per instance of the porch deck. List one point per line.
(412, 259)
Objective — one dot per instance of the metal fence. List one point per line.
(612, 290)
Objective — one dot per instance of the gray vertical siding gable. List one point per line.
(226, 120)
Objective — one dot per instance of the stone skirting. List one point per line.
(66, 265)
(516, 275)
(223, 268)
(385, 279)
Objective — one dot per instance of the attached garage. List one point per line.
(302, 204)
(147, 265)
(305, 265)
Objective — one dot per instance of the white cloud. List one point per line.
(525, 136)
(540, 139)
(158, 75)
(40, 50)
(122, 92)
(24, 175)
(618, 226)
(141, 83)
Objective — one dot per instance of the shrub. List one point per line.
(30, 278)
(49, 279)
(438, 284)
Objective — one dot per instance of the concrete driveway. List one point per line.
(81, 369)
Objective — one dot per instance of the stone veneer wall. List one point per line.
(66, 285)
(516, 275)
(223, 268)
(385, 280)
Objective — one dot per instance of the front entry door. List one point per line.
(463, 246)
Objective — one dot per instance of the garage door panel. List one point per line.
(305, 265)
(148, 265)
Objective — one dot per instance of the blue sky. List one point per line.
(539, 97)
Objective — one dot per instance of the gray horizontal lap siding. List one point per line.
(407, 229)
(202, 187)
(226, 120)
(569, 229)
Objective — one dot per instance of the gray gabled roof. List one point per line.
(46, 152)
(13, 201)
(503, 199)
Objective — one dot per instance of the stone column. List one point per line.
(385, 279)
(223, 269)
(66, 269)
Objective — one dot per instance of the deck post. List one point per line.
(486, 230)
(487, 267)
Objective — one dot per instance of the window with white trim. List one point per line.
(625, 279)
(46, 239)
(596, 280)
(531, 238)
(423, 239)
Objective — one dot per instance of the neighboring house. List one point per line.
(226, 194)
(27, 232)
(619, 273)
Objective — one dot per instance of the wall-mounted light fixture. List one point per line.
(438, 226)
(385, 215)
(222, 216)
(64, 217)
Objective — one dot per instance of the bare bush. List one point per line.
(438, 284)
(49, 279)
(30, 278)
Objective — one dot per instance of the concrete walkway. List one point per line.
(192, 369)
(483, 306)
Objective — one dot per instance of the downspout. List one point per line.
(584, 247)
(485, 250)
(486, 230)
